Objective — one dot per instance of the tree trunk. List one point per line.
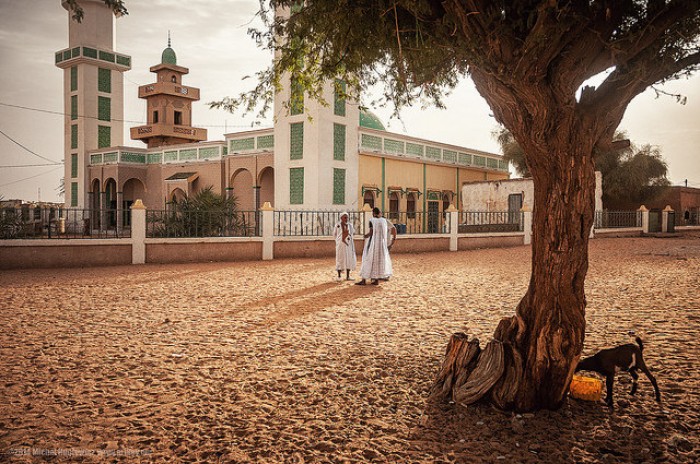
(540, 345)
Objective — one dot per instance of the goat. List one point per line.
(624, 357)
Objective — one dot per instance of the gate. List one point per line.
(654, 221)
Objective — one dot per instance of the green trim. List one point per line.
(73, 107)
(106, 56)
(74, 165)
(338, 142)
(74, 136)
(383, 181)
(104, 109)
(296, 186)
(73, 78)
(458, 190)
(74, 194)
(104, 136)
(425, 197)
(104, 80)
(296, 140)
(338, 186)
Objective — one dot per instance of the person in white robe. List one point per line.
(376, 262)
(345, 256)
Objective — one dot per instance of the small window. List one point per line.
(369, 198)
(178, 117)
(173, 78)
(394, 206)
(155, 117)
(411, 206)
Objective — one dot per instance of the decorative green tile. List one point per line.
(393, 146)
(339, 142)
(492, 163)
(339, 97)
(89, 52)
(74, 194)
(128, 157)
(110, 157)
(465, 158)
(189, 154)
(433, 196)
(106, 56)
(209, 153)
(154, 158)
(104, 80)
(338, 186)
(59, 57)
(266, 141)
(104, 136)
(74, 107)
(449, 156)
(73, 78)
(74, 165)
(104, 108)
(243, 144)
(433, 153)
(66, 55)
(296, 186)
(479, 161)
(371, 141)
(96, 159)
(74, 136)
(296, 98)
(414, 149)
(124, 60)
(296, 140)
(503, 165)
(170, 156)
(75, 52)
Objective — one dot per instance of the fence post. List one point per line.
(138, 232)
(366, 216)
(645, 219)
(665, 214)
(454, 227)
(268, 236)
(527, 224)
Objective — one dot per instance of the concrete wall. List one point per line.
(492, 241)
(202, 250)
(33, 254)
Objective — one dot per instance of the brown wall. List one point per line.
(37, 256)
(470, 243)
(419, 245)
(307, 249)
(199, 252)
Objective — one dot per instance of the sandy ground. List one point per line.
(277, 362)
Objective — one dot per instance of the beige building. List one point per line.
(316, 157)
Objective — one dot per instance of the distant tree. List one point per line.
(632, 176)
(204, 214)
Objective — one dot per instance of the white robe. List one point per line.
(376, 262)
(345, 256)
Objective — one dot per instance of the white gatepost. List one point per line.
(527, 224)
(645, 219)
(454, 227)
(366, 216)
(138, 232)
(268, 236)
(665, 214)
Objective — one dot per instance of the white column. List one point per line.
(268, 220)
(454, 227)
(665, 217)
(527, 224)
(138, 232)
(645, 219)
(366, 216)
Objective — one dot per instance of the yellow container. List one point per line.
(586, 388)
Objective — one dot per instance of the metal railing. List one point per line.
(63, 223)
(490, 221)
(177, 223)
(313, 223)
(420, 222)
(617, 219)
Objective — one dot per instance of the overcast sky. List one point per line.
(210, 38)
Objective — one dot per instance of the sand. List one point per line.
(277, 362)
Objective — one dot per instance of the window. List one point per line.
(155, 117)
(296, 98)
(338, 186)
(104, 108)
(104, 80)
(74, 165)
(73, 78)
(74, 136)
(411, 206)
(368, 198)
(394, 205)
(74, 107)
(339, 98)
(173, 78)
(104, 136)
(296, 140)
(296, 186)
(74, 194)
(338, 142)
(178, 117)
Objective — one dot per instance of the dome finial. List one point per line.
(168, 38)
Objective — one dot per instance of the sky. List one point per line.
(210, 38)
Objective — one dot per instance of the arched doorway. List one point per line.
(242, 183)
(133, 190)
(95, 204)
(267, 186)
(368, 198)
(394, 206)
(110, 203)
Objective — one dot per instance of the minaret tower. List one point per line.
(168, 106)
(316, 147)
(93, 88)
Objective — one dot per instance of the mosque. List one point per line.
(315, 157)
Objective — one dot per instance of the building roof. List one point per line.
(168, 56)
(370, 121)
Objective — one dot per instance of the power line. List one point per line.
(19, 144)
(30, 165)
(60, 113)
(30, 177)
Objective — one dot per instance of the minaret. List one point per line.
(93, 88)
(168, 106)
(316, 148)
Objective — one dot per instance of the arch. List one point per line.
(177, 195)
(242, 184)
(110, 193)
(266, 181)
(132, 190)
(368, 198)
(411, 205)
(446, 200)
(394, 203)
(95, 194)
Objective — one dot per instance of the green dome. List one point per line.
(370, 121)
(168, 56)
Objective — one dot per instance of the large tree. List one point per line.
(527, 59)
